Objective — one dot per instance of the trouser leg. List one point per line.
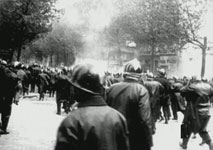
(58, 103)
(204, 133)
(184, 142)
(6, 112)
(174, 108)
(5, 121)
(166, 113)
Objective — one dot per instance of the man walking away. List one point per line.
(132, 99)
(197, 113)
(93, 125)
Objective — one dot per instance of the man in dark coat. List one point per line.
(93, 125)
(165, 99)
(132, 99)
(43, 82)
(177, 101)
(26, 81)
(9, 82)
(64, 93)
(155, 92)
(35, 70)
(197, 113)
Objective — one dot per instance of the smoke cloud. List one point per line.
(93, 16)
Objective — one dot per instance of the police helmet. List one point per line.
(86, 78)
(16, 64)
(3, 62)
(133, 66)
(161, 72)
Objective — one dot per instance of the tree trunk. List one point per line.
(204, 57)
(56, 59)
(152, 58)
(10, 57)
(51, 60)
(18, 54)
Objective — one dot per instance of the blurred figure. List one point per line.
(156, 90)
(165, 99)
(197, 113)
(7, 94)
(93, 125)
(64, 93)
(177, 101)
(132, 99)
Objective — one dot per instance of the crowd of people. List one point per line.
(141, 100)
(18, 80)
(114, 111)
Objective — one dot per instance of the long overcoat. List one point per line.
(197, 113)
(132, 100)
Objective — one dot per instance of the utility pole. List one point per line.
(204, 48)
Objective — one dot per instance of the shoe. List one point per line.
(184, 147)
(58, 113)
(4, 132)
(161, 119)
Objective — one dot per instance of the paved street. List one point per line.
(33, 126)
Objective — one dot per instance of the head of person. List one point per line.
(64, 70)
(175, 78)
(3, 62)
(195, 78)
(161, 72)
(17, 65)
(132, 70)
(204, 79)
(149, 76)
(86, 81)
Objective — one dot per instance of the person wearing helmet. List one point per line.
(155, 90)
(165, 99)
(93, 125)
(197, 113)
(132, 99)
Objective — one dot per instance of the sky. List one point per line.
(99, 18)
(207, 29)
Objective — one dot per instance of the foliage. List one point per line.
(159, 25)
(166, 25)
(62, 45)
(191, 20)
(22, 21)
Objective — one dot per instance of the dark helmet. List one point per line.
(85, 78)
(133, 66)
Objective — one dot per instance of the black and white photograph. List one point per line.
(106, 74)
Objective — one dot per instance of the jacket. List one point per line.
(93, 126)
(132, 100)
(198, 105)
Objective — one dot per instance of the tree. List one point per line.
(193, 12)
(153, 23)
(164, 26)
(60, 45)
(23, 21)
